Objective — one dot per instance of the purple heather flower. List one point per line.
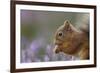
(46, 58)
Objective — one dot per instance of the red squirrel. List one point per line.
(71, 41)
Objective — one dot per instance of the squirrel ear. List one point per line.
(67, 24)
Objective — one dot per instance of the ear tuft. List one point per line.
(67, 24)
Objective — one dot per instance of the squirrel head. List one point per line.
(63, 32)
(63, 38)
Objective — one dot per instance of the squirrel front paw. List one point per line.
(56, 49)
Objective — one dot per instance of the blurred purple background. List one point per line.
(37, 34)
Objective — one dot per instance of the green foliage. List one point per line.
(28, 31)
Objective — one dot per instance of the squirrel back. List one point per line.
(72, 41)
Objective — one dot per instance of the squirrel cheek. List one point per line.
(65, 45)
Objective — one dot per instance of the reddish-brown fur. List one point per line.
(71, 41)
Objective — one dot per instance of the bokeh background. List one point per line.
(37, 34)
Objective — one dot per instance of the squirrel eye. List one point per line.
(60, 34)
